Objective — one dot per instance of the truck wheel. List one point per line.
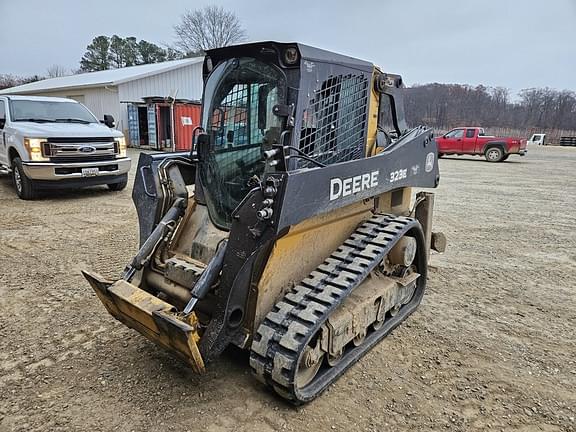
(494, 154)
(23, 185)
(119, 186)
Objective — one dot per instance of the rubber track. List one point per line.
(293, 321)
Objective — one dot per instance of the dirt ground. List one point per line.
(492, 346)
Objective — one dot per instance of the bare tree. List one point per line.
(56, 71)
(452, 105)
(207, 28)
(7, 80)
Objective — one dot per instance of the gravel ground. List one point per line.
(492, 346)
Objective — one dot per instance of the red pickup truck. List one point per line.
(473, 141)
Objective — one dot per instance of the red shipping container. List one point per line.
(186, 119)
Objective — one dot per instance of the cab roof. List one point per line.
(307, 53)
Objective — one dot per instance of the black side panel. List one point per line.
(409, 162)
(147, 194)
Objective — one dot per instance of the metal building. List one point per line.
(133, 89)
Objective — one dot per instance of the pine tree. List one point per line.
(130, 51)
(117, 52)
(97, 56)
(150, 53)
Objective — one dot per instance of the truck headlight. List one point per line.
(34, 148)
(121, 143)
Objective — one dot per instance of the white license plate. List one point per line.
(89, 172)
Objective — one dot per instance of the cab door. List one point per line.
(3, 139)
(469, 141)
(452, 141)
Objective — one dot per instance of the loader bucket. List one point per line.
(152, 317)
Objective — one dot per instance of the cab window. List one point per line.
(456, 133)
(469, 133)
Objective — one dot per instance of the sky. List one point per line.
(510, 43)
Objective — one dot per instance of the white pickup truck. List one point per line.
(49, 143)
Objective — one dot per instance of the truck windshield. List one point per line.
(50, 111)
(237, 115)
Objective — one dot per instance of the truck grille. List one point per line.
(80, 149)
(67, 171)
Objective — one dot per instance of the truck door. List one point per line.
(3, 144)
(453, 141)
(469, 141)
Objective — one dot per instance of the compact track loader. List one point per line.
(290, 230)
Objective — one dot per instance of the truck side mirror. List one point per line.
(109, 121)
(2, 122)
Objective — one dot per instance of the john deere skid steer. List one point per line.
(291, 229)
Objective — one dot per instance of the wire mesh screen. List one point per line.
(233, 132)
(334, 123)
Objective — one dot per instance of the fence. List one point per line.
(568, 140)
